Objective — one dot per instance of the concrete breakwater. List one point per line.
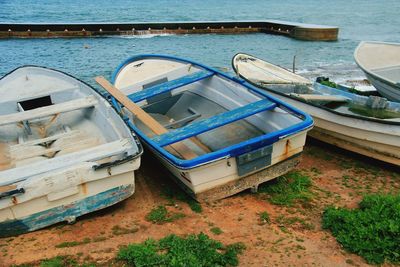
(299, 31)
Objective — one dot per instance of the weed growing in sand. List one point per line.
(60, 261)
(161, 215)
(99, 239)
(288, 188)
(371, 231)
(176, 193)
(73, 243)
(194, 250)
(264, 218)
(216, 230)
(119, 230)
(289, 221)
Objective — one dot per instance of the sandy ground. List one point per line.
(339, 178)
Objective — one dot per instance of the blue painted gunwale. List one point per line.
(216, 121)
(231, 151)
(169, 86)
(62, 213)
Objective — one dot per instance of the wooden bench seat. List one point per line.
(45, 140)
(99, 152)
(89, 101)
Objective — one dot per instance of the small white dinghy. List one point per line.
(366, 125)
(65, 151)
(216, 135)
(381, 64)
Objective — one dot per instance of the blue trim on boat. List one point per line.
(63, 213)
(169, 86)
(216, 121)
(231, 151)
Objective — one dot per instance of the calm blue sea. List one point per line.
(358, 20)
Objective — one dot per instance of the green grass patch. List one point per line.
(59, 261)
(289, 221)
(161, 215)
(64, 261)
(99, 239)
(288, 189)
(329, 83)
(264, 218)
(119, 230)
(173, 194)
(371, 231)
(194, 250)
(73, 243)
(216, 230)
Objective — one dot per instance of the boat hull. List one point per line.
(73, 155)
(376, 140)
(220, 178)
(87, 192)
(380, 61)
(372, 137)
(386, 89)
(237, 143)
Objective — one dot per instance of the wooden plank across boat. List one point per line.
(240, 136)
(366, 125)
(64, 150)
(381, 64)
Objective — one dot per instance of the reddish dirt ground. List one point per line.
(339, 178)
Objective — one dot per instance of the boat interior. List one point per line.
(57, 122)
(282, 81)
(204, 111)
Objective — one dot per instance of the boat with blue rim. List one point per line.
(219, 135)
(64, 151)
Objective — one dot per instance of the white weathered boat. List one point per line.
(65, 151)
(365, 125)
(381, 64)
(216, 135)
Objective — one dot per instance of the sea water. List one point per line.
(88, 57)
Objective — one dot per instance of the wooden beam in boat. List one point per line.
(45, 140)
(72, 105)
(170, 85)
(143, 116)
(68, 147)
(327, 98)
(92, 154)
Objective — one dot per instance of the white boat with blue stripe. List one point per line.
(367, 125)
(64, 151)
(218, 135)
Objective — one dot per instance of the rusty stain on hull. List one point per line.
(84, 188)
